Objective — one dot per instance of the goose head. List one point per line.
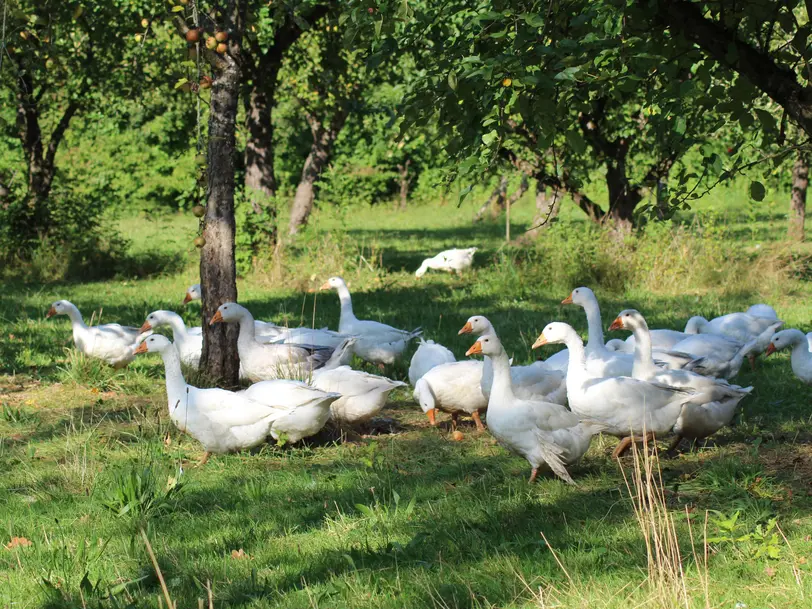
(628, 319)
(580, 296)
(156, 319)
(555, 332)
(785, 339)
(193, 293)
(154, 343)
(333, 283)
(488, 344)
(60, 307)
(695, 324)
(478, 325)
(228, 312)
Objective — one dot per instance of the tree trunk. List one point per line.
(316, 162)
(218, 273)
(35, 221)
(259, 161)
(797, 210)
(623, 198)
(405, 180)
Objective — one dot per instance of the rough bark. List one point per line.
(259, 161)
(321, 148)
(722, 43)
(797, 209)
(405, 180)
(218, 272)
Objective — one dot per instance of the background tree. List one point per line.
(326, 80)
(218, 273)
(64, 60)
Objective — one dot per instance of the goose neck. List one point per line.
(643, 367)
(346, 302)
(593, 320)
(175, 383)
(247, 330)
(502, 387)
(76, 319)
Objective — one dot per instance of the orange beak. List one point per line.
(51, 312)
(770, 349)
(187, 299)
(567, 300)
(616, 325)
(145, 328)
(325, 286)
(142, 348)
(217, 319)
(432, 415)
(466, 329)
(541, 340)
(475, 348)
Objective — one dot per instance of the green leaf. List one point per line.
(567, 74)
(490, 137)
(452, 80)
(757, 191)
(177, 9)
(181, 82)
(533, 19)
(378, 26)
(576, 141)
(680, 125)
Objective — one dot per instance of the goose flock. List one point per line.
(657, 383)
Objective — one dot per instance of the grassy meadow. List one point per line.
(397, 514)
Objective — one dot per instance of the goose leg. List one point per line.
(752, 359)
(478, 421)
(205, 458)
(622, 447)
(454, 417)
(533, 475)
(672, 448)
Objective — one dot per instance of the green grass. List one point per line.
(410, 519)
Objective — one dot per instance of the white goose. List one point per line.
(801, 358)
(715, 355)
(363, 395)
(661, 339)
(533, 382)
(453, 261)
(188, 344)
(741, 327)
(428, 355)
(715, 402)
(600, 361)
(224, 421)
(112, 343)
(542, 432)
(627, 407)
(376, 342)
(266, 361)
(453, 388)
(263, 331)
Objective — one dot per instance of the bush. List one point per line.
(79, 242)
(256, 229)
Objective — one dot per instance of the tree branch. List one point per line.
(217, 61)
(58, 134)
(717, 40)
